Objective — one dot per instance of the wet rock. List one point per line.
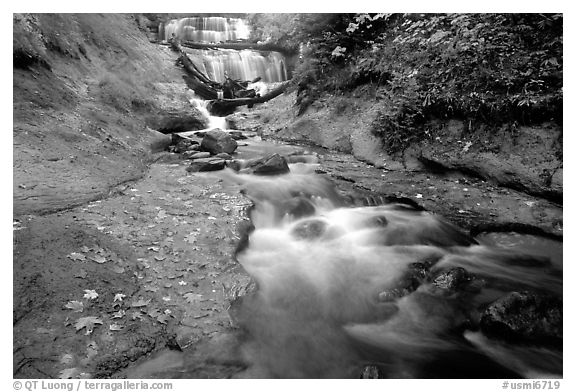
(453, 280)
(270, 165)
(237, 135)
(217, 141)
(223, 155)
(526, 317)
(206, 164)
(310, 229)
(196, 154)
(182, 144)
(234, 165)
(371, 372)
(410, 281)
(299, 207)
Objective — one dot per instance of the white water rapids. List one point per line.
(325, 272)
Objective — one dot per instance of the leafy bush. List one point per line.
(491, 68)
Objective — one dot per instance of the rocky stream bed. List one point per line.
(141, 283)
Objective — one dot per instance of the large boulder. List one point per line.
(178, 121)
(270, 165)
(524, 316)
(217, 141)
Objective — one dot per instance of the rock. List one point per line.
(160, 142)
(206, 164)
(526, 317)
(269, 166)
(223, 155)
(409, 282)
(196, 154)
(234, 165)
(453, 280)
(177, 121)
(217, 141)
(237, 135)
(309, 229)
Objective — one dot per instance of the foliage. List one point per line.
(489, 68)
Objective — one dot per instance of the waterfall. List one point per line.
(238, 64)
(208, 29)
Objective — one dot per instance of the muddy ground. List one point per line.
(152, 266)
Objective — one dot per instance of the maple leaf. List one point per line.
(88, 323)
(76, 256)
(115, 327)
(163, 318)
(118, 314)
(68, 373)
(90, 294)
(140, 303)
(76, 306)
(99, 259)
(119, 297)
(192, 298)
(182, 283)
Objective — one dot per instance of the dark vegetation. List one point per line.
(481, 68)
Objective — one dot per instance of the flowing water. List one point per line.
(328, 280)
(341, 285)
(206, 29)
(243, 65)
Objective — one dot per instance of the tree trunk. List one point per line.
(224, 107)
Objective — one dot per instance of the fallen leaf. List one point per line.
(81, 274)
(182, 283)
(192, 297)
(76, 256)
(159, 258)
(163, 318)
(167, 299)
(119, 314)
(66, 359)
(118, 269)
(419, 196)
(88, 323)
(140, 303)
(85, 249)
(68, 373)
(115, 327)
(75, 306)
(90, 294)
(154, 248)
(119, 297)
(99, 259)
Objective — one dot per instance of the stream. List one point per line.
(342, 286)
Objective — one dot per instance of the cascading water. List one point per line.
(208, 29)
(238, 64)
(213, 121)
(342, 286)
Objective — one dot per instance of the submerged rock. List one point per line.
(217, 141)
(524, 316)
(206, 164)
(452, 280)
(309, 229)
